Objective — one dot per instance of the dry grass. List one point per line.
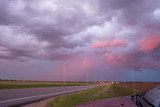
(143, 86)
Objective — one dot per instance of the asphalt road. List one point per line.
(17, 97)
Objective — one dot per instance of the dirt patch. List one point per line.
(42, 103)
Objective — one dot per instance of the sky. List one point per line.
(108, 40)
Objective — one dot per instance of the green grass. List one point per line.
(32, 84)
(98, 93)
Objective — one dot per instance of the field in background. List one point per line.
(12, 84)
(101, 92)
(143, 86)
(35, 84)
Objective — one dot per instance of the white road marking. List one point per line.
(43, 95)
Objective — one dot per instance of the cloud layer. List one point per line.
(109, 33)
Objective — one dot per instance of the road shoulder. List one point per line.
(42, 103)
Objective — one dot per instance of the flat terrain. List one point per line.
(35, 91)
(143, 86)
(10, 97)
(99, 93)
(35, 84)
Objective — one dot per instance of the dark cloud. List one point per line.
(114, 4)
(63, 30)
(50, 21)
(140, 15)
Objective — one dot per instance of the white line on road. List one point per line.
(43, 95)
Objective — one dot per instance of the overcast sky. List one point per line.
(108, 39)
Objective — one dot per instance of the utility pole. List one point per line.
(132, 72)
(64, 74)
(95, 79)
(87, 77)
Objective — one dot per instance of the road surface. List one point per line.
(17, 97)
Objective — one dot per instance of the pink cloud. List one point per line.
(81, 64)
(114, 43)
(149, 43)
(122, 62)
(87, 63)
(118, 62)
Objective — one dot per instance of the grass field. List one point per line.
(101, 92)
(34, 84)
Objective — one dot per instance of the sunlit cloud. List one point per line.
(110, 44)
(149, 43)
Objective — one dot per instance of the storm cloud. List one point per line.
(109, 34)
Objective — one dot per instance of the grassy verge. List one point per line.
(32, 84)
(101, 92)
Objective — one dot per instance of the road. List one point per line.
(17, 97)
